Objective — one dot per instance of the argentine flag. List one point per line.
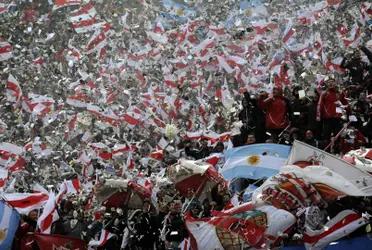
(254, 161)
(9, 220)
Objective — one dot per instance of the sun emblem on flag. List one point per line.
(253, 160)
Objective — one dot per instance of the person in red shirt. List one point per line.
(329, 100)
(277, 112)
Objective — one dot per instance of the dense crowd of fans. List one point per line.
(335, 116)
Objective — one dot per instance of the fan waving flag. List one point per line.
(8, 225)
(255, 161)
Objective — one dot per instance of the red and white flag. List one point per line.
(73, 54)
(101, 151)
(49, 215)
(73, 186)
(11, 157)
(65, 3)
(79, 100)
(341, 225)
(130, 161)
(185, 244)
(105, 236)
(5, 51)
(3, 8)
(158, 35)
(106, 115)
(38, 148)
(3, 177)
(288, 32)
(132, 118)
(38, 104)
(71, 127)
(99, 40)
(354, 37)
(85, 19)
(24, 203)
(224, 65)
(365, 12)
(13, 90)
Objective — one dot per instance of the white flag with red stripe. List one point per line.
(105, 236)
(341, 225)
(5, 51)
(185, 244)
(106, 115)
(24, 203)
(65, 3)
(49, 215)
(71, 128)
(99, 40)
(13, 90)
(85, 19)
(11, 157)
(288, 32)
(132, 118)
(73, 186)
(38, 104)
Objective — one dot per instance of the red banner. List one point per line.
(53, 242)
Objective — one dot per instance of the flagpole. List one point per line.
(336, 137)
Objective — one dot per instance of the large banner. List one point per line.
(53, 242)
(303, 152)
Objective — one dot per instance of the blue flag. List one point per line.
(254, 161)
(9, 221)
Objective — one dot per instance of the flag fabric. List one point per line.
(24, 203)
(38, 104)
(105, 236)
(8, 225)
(85, 19)
(3, 177)
(254, 161)
(13, 90)
(194, 176)
(73, 186)
(359, 183)
(65, 3)
(99, 40)
(5, 51)
(360, 158)
(11, 157)
(288, 32)
(185, 244)
(241, 225)
(38, 148)
(49, 215)
(356, 242)
(53, 242)
(341, 225)
(105, 115)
